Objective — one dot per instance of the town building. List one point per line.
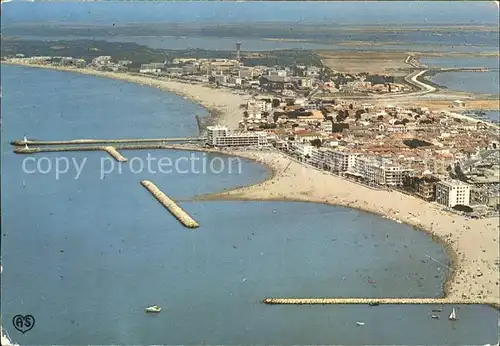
(340, 161)
(152, 68)
(303, 150)
(220, 136)
(452, 192)
(255, 108)
(377, 170)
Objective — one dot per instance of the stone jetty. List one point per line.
(172, 207)
(368, 301)
(21, 142)
(115, 154)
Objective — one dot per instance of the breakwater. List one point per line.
(112, 151)
(34, 150)
(21, 142)
(172, 207)
(368, 301)
(115, 154)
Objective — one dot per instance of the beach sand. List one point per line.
(473, 245)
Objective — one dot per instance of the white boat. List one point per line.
(154, 308)
(453, 315)
(360, 323)
(5, 338)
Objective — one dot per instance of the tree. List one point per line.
(245, 114)
(380, 117)
(275, 103)
(351, 106)
(464, 208)
(339, 117)
(316, 142)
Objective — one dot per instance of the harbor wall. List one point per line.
(174, 209)
(340, 301)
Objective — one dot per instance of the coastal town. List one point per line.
(443, 157)
(353, 139)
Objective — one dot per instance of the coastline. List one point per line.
(300, 183)
(222, 105)
(456, 234)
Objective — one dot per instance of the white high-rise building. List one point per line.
(214, 132)
(452, 192)
(220, 136)
(256, 108)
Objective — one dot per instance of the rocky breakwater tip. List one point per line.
(27, 150)
(115, 154)
(172, 207)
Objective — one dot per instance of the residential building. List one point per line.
(312, 71)
(326, 126)
(255, 108)
(220, 136)
(317, 156)
(174, 70)
(301, 149)
(214, 132)
(452, 192)
(151, 68)
(488, 195)
(422, 186)
(277, 73)
(379, 171)
(340, 161)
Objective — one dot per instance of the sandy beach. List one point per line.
(221, 102)
(473, 245)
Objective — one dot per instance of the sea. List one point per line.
(86, 254)
(474, 82)
(86, 250)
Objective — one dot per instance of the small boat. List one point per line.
(374, 304)
(360, 323)
(436, 317)
(453, 315)
(154, 308)
(437, 310)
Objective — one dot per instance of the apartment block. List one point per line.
(220, 136)
(379, 171)
(340, 161)
(452, 192)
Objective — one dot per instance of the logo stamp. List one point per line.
(23, 323)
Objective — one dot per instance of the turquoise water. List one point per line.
(86, 256)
